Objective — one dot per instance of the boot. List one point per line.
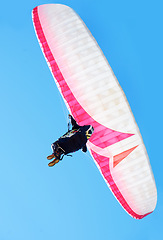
(51, 156)
(51, 164)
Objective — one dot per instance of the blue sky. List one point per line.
(71, 200)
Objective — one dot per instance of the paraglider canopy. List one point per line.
(94, 97)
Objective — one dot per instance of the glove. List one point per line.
(84, 149)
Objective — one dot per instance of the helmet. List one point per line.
(89, 132)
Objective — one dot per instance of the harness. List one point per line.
(60, 152)
(70, 133)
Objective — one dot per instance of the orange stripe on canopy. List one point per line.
(119, 157)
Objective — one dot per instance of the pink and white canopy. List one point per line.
(94, 96)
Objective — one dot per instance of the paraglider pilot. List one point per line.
(71, 141)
